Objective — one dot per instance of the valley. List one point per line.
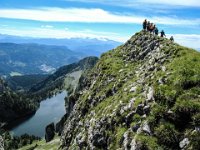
(143, 94)
(47, 93)
(50, 110)
(26, 59)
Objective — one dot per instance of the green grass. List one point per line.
(42, 145)
(179, 93)
(149, 143)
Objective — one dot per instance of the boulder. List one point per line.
(146, 109)
(49, 132)
(1, 143)
(146, 128)
(139, 109)
(133, 89)
(150, 94)
(197, 128)
(135, 127)
(184, 143)
(81, 140)
(134, 145)
(161, 81)
(127, 140)
(99, 140)
(164, 68)
(59, 125)
(70, 102)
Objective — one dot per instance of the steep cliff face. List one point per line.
(144, 94)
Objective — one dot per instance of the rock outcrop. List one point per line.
(1, 143)
(49, 132)
(141, 95)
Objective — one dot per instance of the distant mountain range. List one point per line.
(18, 59)
(88, 46)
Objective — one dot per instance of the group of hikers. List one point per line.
(151, 27)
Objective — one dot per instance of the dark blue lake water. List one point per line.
(51, 110)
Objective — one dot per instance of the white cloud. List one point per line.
(193, 3)
(87, 16)
(46, 26)
(62, 33)
(131, 3)
(189, 40)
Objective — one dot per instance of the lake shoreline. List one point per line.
(50, 110)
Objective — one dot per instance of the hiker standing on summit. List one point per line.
(156, 30)
(162, 33)
(145, 25)
(172, 38)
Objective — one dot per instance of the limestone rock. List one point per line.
(98, 139)
(1, 143)
(127, 140)
(184, 143)
(150, 94)
(144, 128)
(133, 89)
(134, 145)
(81, 140)
(146, 109)
(197, 129)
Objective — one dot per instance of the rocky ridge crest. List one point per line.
(144, 94)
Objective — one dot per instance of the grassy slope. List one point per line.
(42, 145)
(180, 93)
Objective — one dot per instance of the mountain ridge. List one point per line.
(89, 46)
(142, 95)
(34, 58)
(63, 78)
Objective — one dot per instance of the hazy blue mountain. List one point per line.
(91, 47)
(34, 58)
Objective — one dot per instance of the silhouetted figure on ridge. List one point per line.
(145, 25)
(148, 25)
(162, 34)
(156, 31)
(172, 38)
(151, 27)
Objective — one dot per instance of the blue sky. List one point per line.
(112, 19)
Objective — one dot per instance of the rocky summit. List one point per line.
(143, 95)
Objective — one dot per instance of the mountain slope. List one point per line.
(34, 58)
(141, 95)
(13, 105)
(64, 77)
(88, 46)
(24, 82)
